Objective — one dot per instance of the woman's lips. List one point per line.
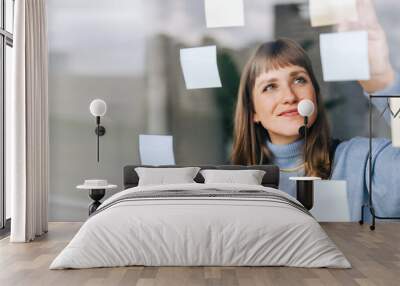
(290, 114)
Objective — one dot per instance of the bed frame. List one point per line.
(270, 179)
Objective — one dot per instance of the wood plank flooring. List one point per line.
(375, 257)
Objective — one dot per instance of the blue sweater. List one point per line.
(351, 163)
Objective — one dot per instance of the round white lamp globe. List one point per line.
(98, 107)
(305, 107)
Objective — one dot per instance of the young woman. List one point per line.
(276, 78)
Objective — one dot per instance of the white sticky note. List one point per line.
(344, 56)
(395, 118)
(156, 150)
(330, 12)
(330, 201)
(199, 66)
(224, 13)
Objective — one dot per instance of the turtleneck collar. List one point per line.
(291, 150)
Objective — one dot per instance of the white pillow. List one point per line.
(248, 177)
(163, 176)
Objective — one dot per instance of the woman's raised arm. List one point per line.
(381, 70)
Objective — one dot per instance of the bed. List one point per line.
(198, 224)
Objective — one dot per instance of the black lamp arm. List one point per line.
(100, 131)
(305, 132)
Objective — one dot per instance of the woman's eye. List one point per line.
(300, 80)
(269, 87)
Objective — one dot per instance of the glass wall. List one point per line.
(127, 53)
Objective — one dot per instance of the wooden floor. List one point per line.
(375, 257)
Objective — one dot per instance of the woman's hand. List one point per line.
(381, 71)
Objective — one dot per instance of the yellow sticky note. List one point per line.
(331, 12)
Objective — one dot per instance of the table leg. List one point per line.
(96, 195)
(305, 193)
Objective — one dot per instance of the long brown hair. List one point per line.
(249, 142)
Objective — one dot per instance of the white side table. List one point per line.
(305, 190)
(96, 193)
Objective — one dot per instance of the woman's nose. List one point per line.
(289, 95)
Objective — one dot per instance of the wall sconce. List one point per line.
(305, 108)
(98, 108)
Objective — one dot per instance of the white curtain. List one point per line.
(27, 140)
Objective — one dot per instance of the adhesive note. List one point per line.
(199, 66)
(344, 56)
(224, 13)
(330, 201)
(330, 12)
(156, 150)
(395, 124)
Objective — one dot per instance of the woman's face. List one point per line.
(276, 95)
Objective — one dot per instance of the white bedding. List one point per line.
(200, 231)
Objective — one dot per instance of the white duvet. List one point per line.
(200, 231)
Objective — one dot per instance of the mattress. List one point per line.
(201, 225)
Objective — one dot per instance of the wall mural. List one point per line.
(128, 54)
